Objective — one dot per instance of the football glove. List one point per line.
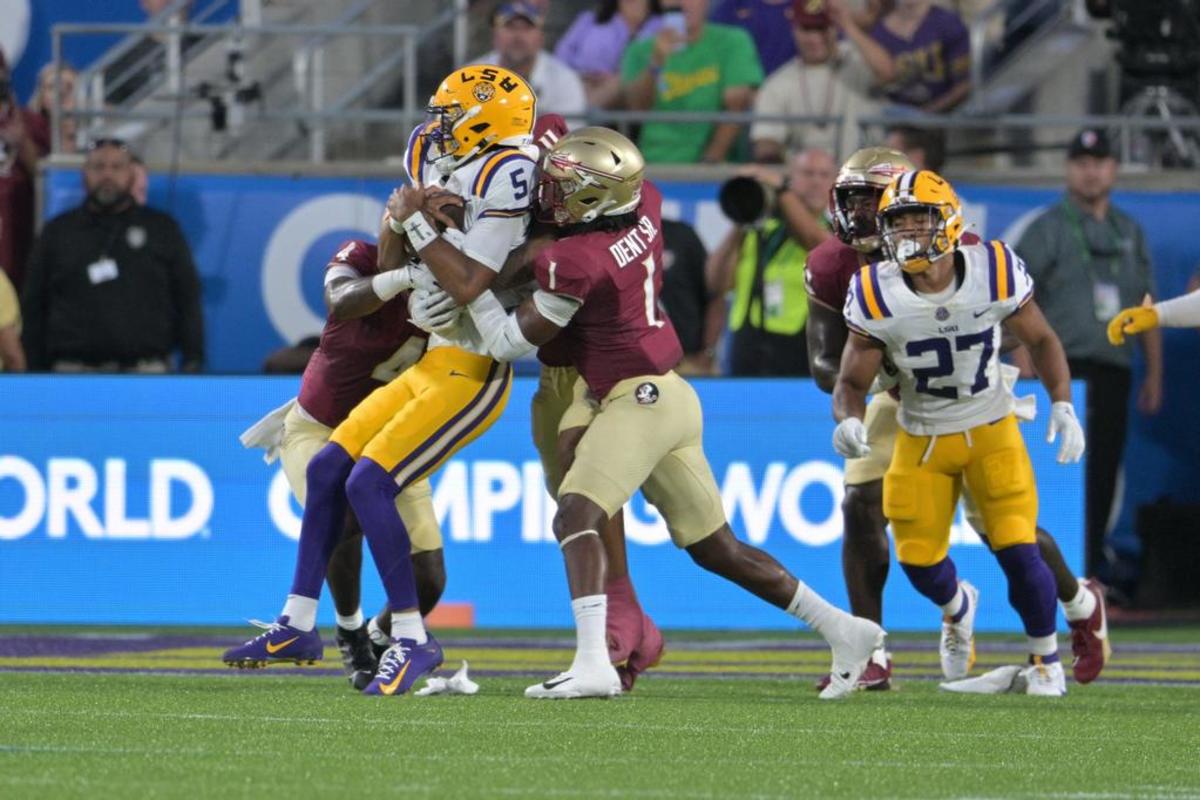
(1063, 420)
(850, 438)
(1131, 320)
(433, 310)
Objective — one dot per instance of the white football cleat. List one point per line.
(1045, 680)
(957, 647)
(577, 683)
(852, 649)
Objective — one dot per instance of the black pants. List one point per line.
(1108, 390)
(756, 353)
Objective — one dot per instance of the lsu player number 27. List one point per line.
(935, 309)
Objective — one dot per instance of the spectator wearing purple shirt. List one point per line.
(932, 53)
(769, 23)
(594, 43)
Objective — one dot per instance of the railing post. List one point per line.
(56, 108)
(316, 84)
(978, 52)
(175, 57)
(462, 31)
(411, 43)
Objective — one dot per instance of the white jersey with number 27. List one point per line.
(947, 352)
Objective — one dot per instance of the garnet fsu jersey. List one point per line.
(620, 331)
(948, 351)
(497, 189)
(356, 356)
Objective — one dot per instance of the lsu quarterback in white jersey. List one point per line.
(935, 309)
(481, 117)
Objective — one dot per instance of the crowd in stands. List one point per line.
(826, 60)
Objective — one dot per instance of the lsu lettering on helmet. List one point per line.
(916, 205)
(854, 198)
(474, 109)
(588, 173)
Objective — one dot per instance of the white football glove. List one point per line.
(1064, 421)
(421, 278)
(850, 438)
(433, 310)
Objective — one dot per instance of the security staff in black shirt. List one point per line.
(111, 286)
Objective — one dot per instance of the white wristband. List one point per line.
(387, 285)
(420, 232)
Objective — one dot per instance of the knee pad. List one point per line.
(1011, 529)
(920, 506)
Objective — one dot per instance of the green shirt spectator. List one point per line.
(768, 287)
(710, 68)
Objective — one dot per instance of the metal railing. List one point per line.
(314, 38)
(314, 115)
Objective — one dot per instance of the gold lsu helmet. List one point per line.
(854, 198)
(474, 109)
(920, 191)
(588, 173)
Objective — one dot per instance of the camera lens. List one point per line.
(743, 200)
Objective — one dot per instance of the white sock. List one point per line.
(1043, 645)
(376, 633)
(591, 617)
(352, 622)
(409, 625)
(956, 603)
(1081, 606)
(301, 612)
(815, 611)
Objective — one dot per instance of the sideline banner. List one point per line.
(130, 500)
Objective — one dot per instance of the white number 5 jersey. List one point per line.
(947, 352)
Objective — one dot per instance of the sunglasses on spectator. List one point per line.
(108, 141)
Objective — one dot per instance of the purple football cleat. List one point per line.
(278, 643)
(403, 664)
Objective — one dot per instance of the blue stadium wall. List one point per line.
(129, 500)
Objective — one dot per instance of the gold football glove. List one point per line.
(1131, 320)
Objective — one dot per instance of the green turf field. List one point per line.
(148, 715)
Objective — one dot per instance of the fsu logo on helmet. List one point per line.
(483, 92)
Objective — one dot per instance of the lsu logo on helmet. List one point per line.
(474, 109)
(919, 192)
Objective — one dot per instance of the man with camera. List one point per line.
(777, 219)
